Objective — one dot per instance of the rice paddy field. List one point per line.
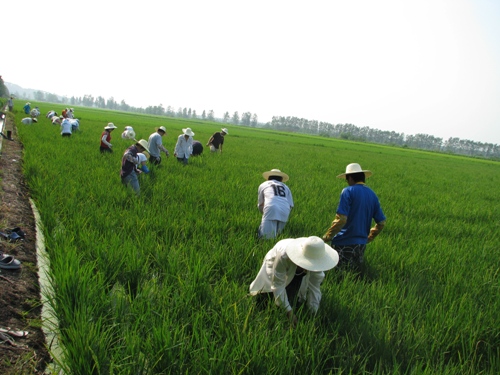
(158, 284)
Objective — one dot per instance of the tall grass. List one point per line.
(158, 283)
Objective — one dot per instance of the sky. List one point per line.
(409, 66)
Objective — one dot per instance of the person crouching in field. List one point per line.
(275, 202)
(291, 274)
(197, 148)
(350, 230)
(66, 128)
(29, 121)
(217, 140)
(184, 146)
(51, 114)
(106, 138)
(56, 120)
(130, 161)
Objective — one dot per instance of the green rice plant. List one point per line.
(158, 283)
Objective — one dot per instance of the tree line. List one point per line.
(294, 124)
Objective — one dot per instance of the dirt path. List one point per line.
(20, 307)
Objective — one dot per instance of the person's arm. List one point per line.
(374, 232)
(103, 139)
(313, 297)
(337, 225)
(210, 140)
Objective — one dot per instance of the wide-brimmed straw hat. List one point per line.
(188, 131)
(110, 126)
(162, 128)
(312, 254)
(144, 144)
(275, 172)
(355, 168)
(224, 130)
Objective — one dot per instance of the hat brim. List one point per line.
(329, 259)
(190, 133)
(365, 171)
(267, 174)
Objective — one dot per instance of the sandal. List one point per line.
(8, 262)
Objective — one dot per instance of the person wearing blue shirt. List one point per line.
(352, 228)
(27, 108)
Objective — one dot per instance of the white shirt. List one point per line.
(27, 121)
(184, 148)
(274, 200)
(277, 272)
(66, 126)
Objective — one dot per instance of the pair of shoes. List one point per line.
(8, 262)
(13, 236)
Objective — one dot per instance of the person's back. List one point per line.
(363, 208)
(277, 200)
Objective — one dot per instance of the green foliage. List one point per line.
(157, 284)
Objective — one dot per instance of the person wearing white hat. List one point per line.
(130, 162)
(184, 146)
(106, 138)
(275, 202)
(292, 272)
(56, 120)
(35, 112)
(352, 228)
(51, 114)
(155, 145)
(27, 108)
(217, 140)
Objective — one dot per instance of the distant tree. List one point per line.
(124, 106)
(88, 101)
(194, 114)
(170, 111)
(111, 103)
(189, 113)
(236, 118)
(4, 91)
(52, 98)
(39, 96)
(226, 118)
(255, 120)
(179, 112)
(211, 116)
(245, 118)
(100, 102)
(203, 115)
(185, 112)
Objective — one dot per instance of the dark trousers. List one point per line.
(292, 292)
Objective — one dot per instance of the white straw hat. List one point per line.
(355, 168)
(188, 131)
(224, 130)
(312, 254)
(110, 126)
(275, 172)
(144, 144)
(162, 128)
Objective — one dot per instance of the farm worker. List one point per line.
(197, 148)
(29, 120)
(75, 124)
(70, 113)
(143, 161)
(35, 112)
(292, 272)
(57, 120)
(275, 202)
(155, 145)
(27, 108)
(66, 128)
(10, 103)
(64, 112)
(350, 230)
(184, 146)
(129, 170)
(217, 140)
(106, 138)
(51, 114)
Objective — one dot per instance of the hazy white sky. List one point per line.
(419, 66)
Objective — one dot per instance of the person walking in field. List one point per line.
(10, 103)
(216, 141)
(155, 145)
(351, 229)
(184, 146)
(130, 162)
(106, 138)
(275, 202)
(291, 274)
